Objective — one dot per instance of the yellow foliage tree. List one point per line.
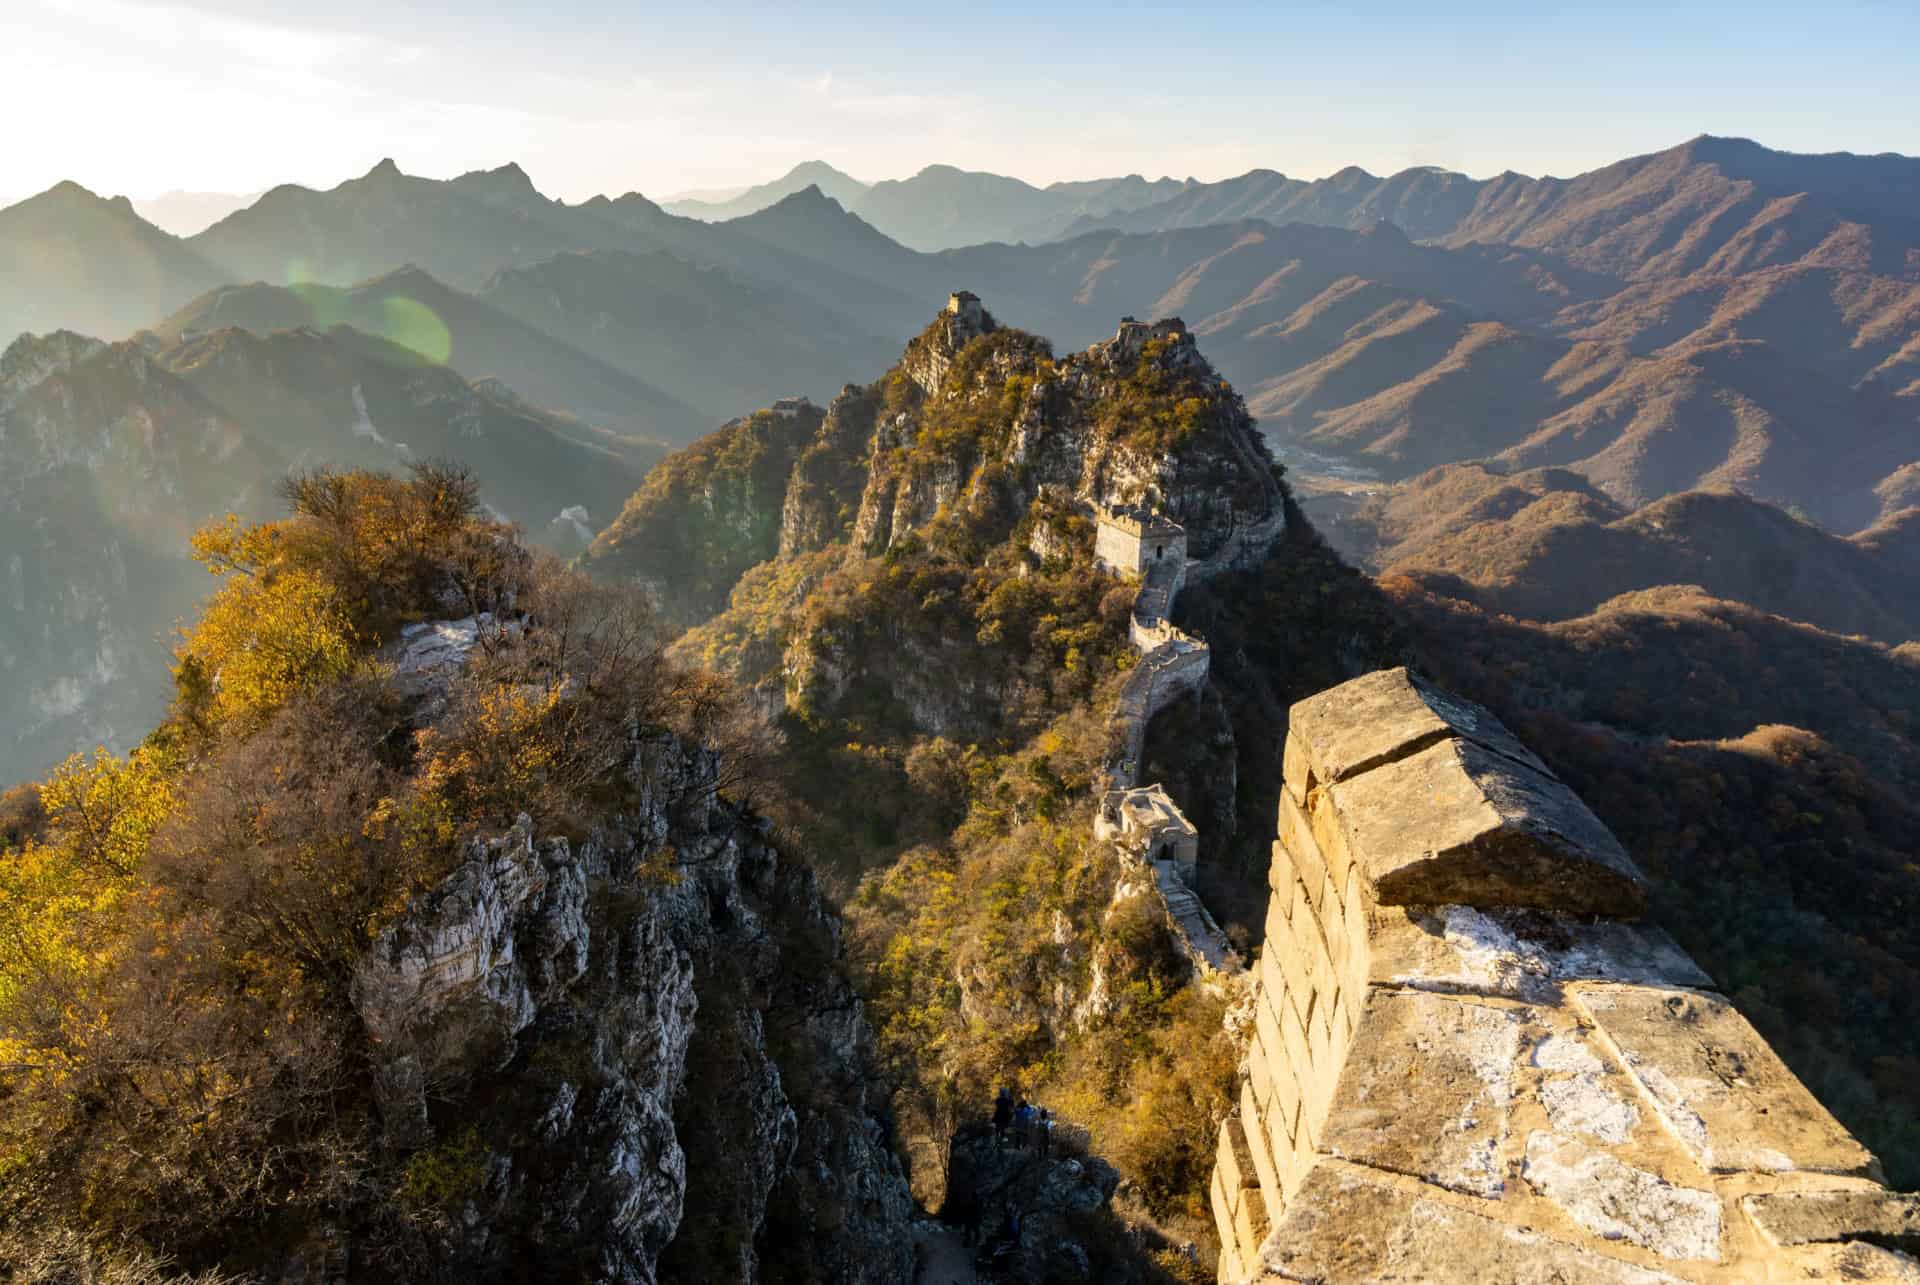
(262, 640)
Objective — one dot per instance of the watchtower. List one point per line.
(1135, 539)
(965, 304)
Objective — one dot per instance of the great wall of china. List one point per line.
(1142, 820)
(1472, 1063)
(1469, 1060)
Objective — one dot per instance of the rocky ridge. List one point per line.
(638, 1043)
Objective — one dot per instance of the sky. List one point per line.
(137, 98)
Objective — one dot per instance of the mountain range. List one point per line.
(941, 206)
(1545, 544)
(1704, 316)
(1714, 317)
(112, 454)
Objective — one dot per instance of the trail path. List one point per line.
(946, 1261)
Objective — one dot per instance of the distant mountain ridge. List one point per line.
(111, 455)
(841, 187)
(1695, 317)
(1545, 545)
(72, 260)
(409, 307)
(1710, 204)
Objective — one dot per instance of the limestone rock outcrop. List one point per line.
(646, 1037)
(1470, 1063)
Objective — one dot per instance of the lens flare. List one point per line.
(412, 324)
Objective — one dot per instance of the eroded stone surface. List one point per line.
(1386, 715)
(1524, 954)
(1717, 1086)
(1584, 1104)
(1858, 1263)
(1616, 1201)
(1346, 1226)
(1802, 1217)
(1457, 823)
(1535, 1090)
(1427, 1090)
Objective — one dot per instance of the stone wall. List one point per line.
(1470, 1063)
(1171, 670)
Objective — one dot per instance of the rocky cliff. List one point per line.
(978, 443)
(638, 1052)
(708, 513)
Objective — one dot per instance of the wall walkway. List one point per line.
(1143, 820)
(1471, 1062)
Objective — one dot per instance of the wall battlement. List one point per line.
(1470, 1064)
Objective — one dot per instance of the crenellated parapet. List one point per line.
(1471, 1063)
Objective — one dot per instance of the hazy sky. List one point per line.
(132, 97)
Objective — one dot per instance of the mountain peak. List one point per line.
(505, 178)
(69, 195)
(386, 169)
(808, 197)
(817, 170)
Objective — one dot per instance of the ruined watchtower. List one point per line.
(965, 304)
(1134, 539)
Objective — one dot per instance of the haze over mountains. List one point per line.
(1716, 315)
(1701, 316)
(111, 455)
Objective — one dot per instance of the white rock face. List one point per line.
(1616, 1201)
(455, 945)
(601, 1030)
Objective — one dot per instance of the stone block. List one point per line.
(1279, 1097)
(1317, 1042)
(1456, 823)
(1250, 1221)
(1234, 1158)
(1387, 715)
(1857, 1263)
(1311, 954)
(1293, 1032)
(1519, 953)
(1716, 1085)
(1333, 926)
(1303, 850)
(1222, 1206)
(1295, 1165)
(1295, 964)
(1427, 1090)
(1267, 1036)
(1617, 1201)
(1318, 1085)
(1357, 928)
(1856, 1213)
(1280, 877)
(1269, 975)
(1263, 1140)
(1347, 1225)
(1232, 1270)
(1296, 774)
(1279, 925)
